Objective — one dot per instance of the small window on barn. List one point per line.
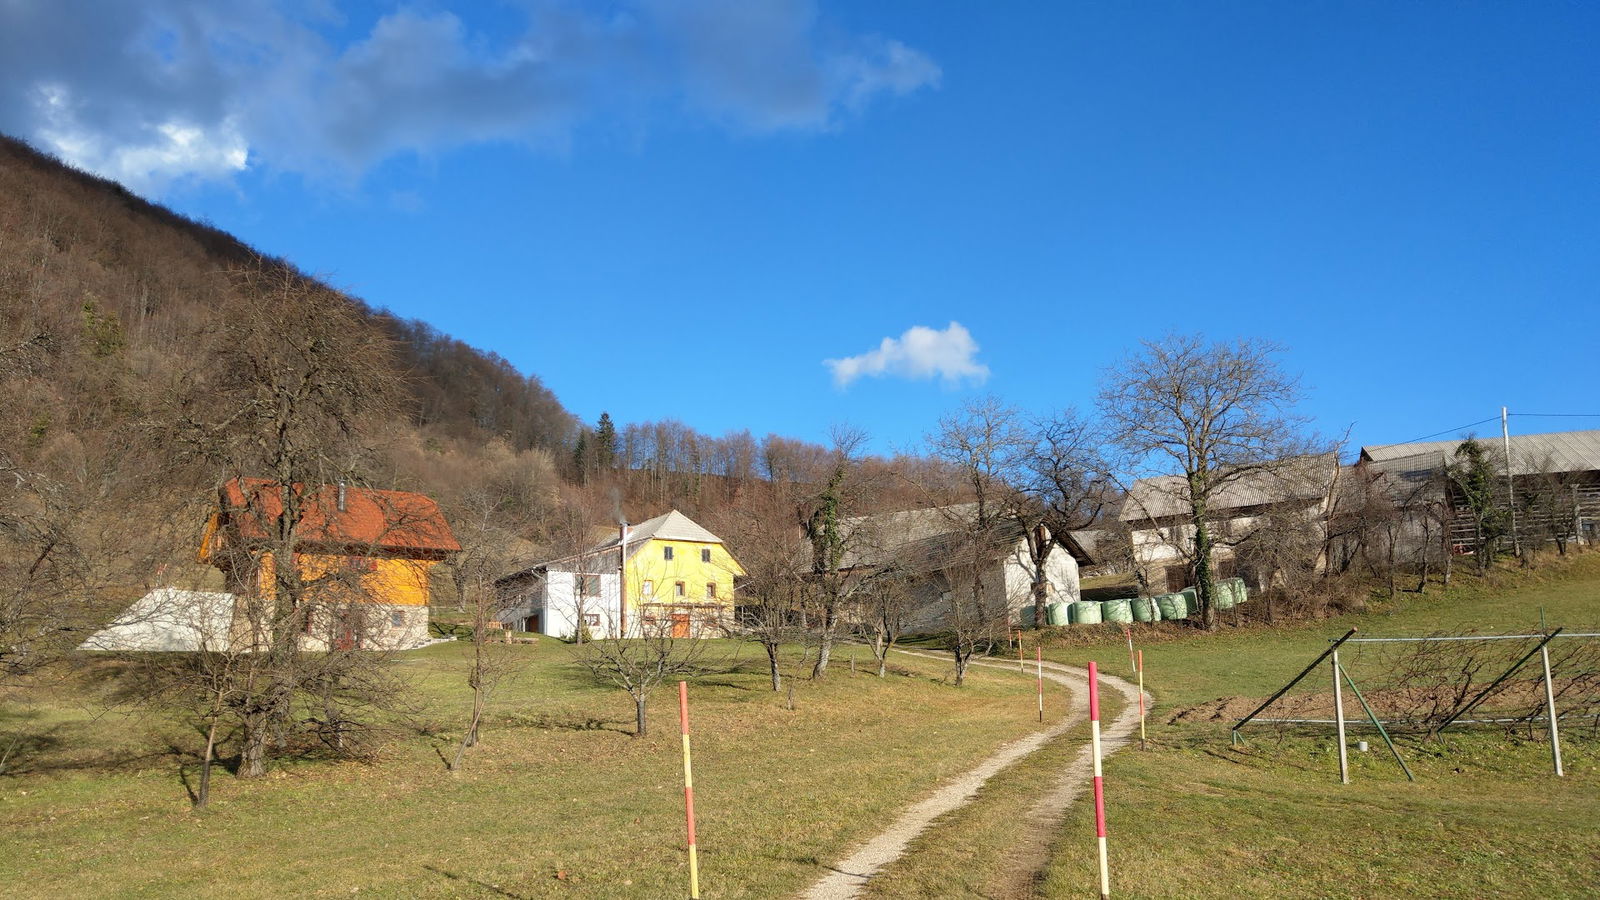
(666, 552)
(705, 555)
(397, 619)
(711, 590)
(680, 589)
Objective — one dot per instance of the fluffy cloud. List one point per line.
(169, 89)
(921, 353)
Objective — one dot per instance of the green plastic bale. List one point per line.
(1085, 612)
(1236, 586)
(1118, 611)
(1025, 615)
(1222, 596)
(1145, 609)
(1191, 601)
(1057, 614)
(1172, 606)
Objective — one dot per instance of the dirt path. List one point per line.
(847, 877)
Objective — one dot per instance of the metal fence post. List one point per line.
(1338, 718)
(1550, 710)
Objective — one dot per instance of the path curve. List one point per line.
(847, 877)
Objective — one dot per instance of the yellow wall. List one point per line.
(400, 582)
(648, 564)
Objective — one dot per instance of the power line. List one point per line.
(1560, 415)
(1456, 430)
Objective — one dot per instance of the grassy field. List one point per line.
(558, 800)
(1195, 817)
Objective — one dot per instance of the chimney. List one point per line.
(622, 582)
(341, 495)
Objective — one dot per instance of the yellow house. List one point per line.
(674, 573)
(362, 556)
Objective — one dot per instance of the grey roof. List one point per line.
(1531, 454)
(921, 540)
(1301, 478)
(671, 526)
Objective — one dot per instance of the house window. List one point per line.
(588, 585)
(679, 589)
(360, 563)
(666, 552)
(649, 590)
(711, 590)
(705, 555)
(591, 619)
(397, 619)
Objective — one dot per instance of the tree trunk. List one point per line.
(641, 725)
(962, 661)
(830, 622)
(253, 753)
(204, 794)
(1202, 572)
(772, 667)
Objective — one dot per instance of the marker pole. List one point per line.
(1039, 657)
(688, 790)
(1099, 781)
(1141, 699)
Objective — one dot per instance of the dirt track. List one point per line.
(846, 878)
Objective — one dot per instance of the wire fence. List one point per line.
(1415, 687)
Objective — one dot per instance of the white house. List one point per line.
(553, 598)
(929, 545)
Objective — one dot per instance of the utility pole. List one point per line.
(1511, 488)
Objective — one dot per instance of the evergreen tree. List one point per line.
(605, 443)
(1475, 477)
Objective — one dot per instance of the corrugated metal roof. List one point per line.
(671, 526)
(1531, 454)
(1303, 478)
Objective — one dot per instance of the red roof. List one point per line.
(393, 521)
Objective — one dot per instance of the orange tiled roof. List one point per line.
(394, 521)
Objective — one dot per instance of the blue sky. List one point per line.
(685, 209)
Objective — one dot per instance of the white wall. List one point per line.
(559, 617)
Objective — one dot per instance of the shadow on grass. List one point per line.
(475, 882)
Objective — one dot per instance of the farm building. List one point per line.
(930, 548)
(1554, 480)
(1156, 511)
(667, 573)
(362, 558)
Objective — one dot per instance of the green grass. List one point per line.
(1184, 666)
(972, 852)
(557, 798)
(1195, 817)
(1484, 819)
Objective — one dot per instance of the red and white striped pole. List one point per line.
(1021, 667)
(688, 790)
(1099, 781)
(1128, 633)
(1038, 654)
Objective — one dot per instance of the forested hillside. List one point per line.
(82, 259)
(145, 358)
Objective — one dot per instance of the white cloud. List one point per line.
(168, 89)
(920, 353)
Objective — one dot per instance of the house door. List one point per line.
(1177, 578)
(680, 625)
(531, 623)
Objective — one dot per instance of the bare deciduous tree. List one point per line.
(1215, 413)
(638, 665)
